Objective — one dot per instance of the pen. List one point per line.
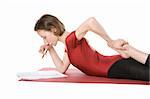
(45, 52)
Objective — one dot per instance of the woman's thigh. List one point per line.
(129, 69)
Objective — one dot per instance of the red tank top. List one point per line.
(89, 61)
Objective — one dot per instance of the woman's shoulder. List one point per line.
(71, 35)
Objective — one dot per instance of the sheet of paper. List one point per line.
(40, 75)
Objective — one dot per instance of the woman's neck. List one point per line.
(62, 38)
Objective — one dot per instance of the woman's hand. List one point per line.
(45, 47)
(117, 44)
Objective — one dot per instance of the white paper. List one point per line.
(40, 75)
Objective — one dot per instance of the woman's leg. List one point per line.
(129, 69)
(135, 54)
(148, 61)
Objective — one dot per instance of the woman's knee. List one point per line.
(147, 63)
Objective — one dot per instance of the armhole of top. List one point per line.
(75, 36)
(65, 50)
(76, 39)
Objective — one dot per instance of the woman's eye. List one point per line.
(44, 37)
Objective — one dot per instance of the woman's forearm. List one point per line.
(57, 61)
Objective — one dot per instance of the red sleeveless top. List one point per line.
(89, 61)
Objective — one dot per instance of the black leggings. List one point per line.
(130, 69)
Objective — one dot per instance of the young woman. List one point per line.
(129, 64)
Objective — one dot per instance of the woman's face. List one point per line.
(48, 37)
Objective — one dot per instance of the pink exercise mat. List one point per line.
(76, 76)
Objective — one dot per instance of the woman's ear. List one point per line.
(54, 30)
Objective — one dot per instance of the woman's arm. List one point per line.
(61, 65)
(91, 24)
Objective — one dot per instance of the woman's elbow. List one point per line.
(91, 20)
(61, 70)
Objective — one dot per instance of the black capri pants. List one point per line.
(130, 69)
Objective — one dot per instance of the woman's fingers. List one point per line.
(41, 50)
(44, 47)
(118, 44)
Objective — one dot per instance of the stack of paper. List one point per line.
(40, 75)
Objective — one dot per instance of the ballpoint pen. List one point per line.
(44, 53)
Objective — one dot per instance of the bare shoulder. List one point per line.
(83, 28)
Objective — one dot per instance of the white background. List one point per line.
(127, 19)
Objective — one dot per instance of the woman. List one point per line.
(130, 64)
